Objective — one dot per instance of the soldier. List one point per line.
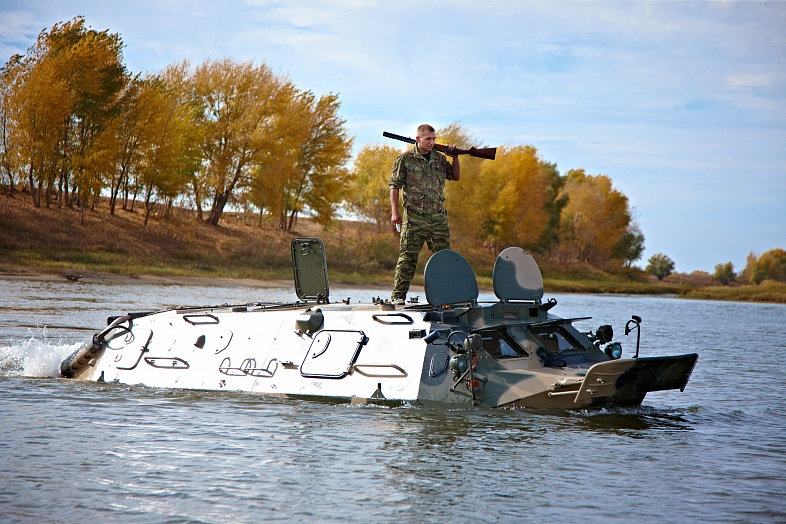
(421, 173)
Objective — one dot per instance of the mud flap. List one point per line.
(636, 376)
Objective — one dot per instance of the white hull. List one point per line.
(457, 355)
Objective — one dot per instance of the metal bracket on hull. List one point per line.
(393, 319)
(400, 372)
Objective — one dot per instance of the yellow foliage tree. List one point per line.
(771, 265)
(459, 197)
(322, 181)
(512, 198)
(63, 93)
(39, 106)
(595, 218)
(304, 168)
(90, 63)
(369, 194)
(240, 107)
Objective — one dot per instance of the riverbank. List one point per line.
(108, 278)
(40, 243)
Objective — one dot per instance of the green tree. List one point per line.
(630, 247)
(660, 265)
(724, 273)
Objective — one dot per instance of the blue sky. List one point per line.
(682, 104)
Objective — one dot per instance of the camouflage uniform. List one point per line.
(425, 218)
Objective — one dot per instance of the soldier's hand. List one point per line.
(395, 220)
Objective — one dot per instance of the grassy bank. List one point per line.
(64, 242)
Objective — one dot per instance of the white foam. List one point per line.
(34, 357)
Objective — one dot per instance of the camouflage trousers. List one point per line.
(416, 229)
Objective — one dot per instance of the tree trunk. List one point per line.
(217, 209)
(148, 204)
(82, 206)
(292, 218)
(48, 193)
(33, 193)
(197, 200)
(115, 191)
(221, 199)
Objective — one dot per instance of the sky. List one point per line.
(681, 103)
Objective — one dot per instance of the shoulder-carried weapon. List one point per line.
(489, 153)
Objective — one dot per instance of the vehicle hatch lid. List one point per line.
(449, 279)
(517, 276)
(310, 267)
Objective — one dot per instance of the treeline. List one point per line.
(76, 125)
(518, 199)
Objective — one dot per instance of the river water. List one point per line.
(79, 452)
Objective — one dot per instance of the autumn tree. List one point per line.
(512, 198)
(459, 196)
(595, 218)
(177, 78)
(37, 108)
(660, 265)
(168, 152)
(90, 64)
(369, 193)
(9, 163)
(122, 139)
(239, 107)
(771, 265)
(320, 179)
(304, 168)
(62, 94)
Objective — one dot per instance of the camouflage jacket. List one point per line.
(422, 181)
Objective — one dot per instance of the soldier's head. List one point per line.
(425, 137)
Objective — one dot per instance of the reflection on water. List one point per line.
(714, 453)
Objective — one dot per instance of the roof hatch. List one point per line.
(449, 279)
(517, 276)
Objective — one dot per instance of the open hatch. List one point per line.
(517, 276)
(449, 279)
(310, 268)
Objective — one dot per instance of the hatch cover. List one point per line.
(449, 279)
(310, 268)
(517, 276)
